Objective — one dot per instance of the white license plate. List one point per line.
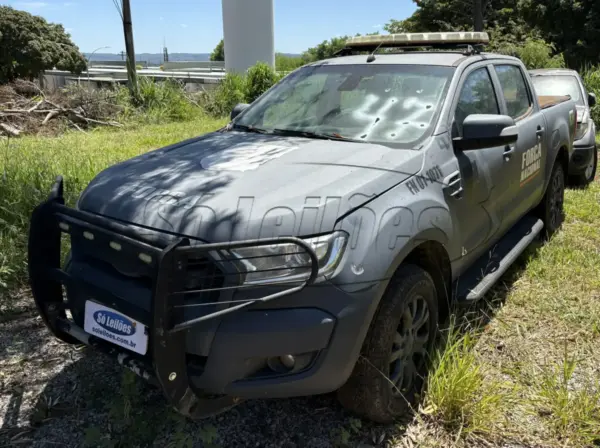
(108, 324)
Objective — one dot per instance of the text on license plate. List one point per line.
(106, 323)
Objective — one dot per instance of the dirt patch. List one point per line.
(55, 394)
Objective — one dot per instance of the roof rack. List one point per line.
(472, 42)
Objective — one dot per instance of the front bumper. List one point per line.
(167, 362)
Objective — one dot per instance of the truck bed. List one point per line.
(547, 101)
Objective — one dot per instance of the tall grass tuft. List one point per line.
(461, 393)
(571, 405)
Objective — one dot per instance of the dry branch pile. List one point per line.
(27, 109)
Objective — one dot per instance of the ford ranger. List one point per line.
(315, 243)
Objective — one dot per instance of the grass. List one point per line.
(29, 165)
(526, 370)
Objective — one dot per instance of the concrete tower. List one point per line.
(248, 30)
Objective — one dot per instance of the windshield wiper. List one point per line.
(243, 127)
(309, 134)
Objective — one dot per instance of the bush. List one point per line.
(285, 63)
(259, 79)
(164, 101)
(236, 88)
(231, 91)
(591, 79)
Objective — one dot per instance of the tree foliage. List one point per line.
(325, 49)
(29, 45)
(218, 54)
(573, 26)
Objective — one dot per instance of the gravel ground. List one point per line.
(53, 394)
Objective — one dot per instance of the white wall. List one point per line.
(248, 28)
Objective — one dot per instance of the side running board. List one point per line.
(486, 271)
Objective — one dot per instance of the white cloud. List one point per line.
(30, 5)
(183, 25)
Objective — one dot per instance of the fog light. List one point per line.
(288, 361)
(281, 364)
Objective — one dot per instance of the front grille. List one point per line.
(203, 275)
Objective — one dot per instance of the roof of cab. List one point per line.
(552, 71)
(439, 58)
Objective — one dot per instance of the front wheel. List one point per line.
(394, 358)
(551, 209)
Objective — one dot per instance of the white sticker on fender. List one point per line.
(106, 323)
(244, 157)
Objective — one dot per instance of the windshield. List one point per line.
(558, 85)
(388, 104)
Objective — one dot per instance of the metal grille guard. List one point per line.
(167, 364)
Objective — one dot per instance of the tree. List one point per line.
(325, 49)
(29, 45)
(218, 53)
(572, 26)
(503, 20)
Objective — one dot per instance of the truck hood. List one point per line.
(236, 185)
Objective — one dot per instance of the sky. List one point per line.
(195, 26)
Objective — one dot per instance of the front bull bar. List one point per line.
(165, 365)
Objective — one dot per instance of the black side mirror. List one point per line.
(591, 99)
(486, 131)
(238, 109)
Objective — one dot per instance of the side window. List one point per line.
(476, 97)
(514, 88)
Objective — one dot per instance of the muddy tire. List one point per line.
(588, 176)
(551, 209)
(389, 374)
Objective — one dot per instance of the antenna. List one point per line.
(371, 57)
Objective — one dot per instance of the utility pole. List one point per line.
(128, 31)
(478, 15)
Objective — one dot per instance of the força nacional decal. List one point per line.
(245, 156)
(531, 163)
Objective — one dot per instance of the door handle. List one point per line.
(509, 149)
(540, 131)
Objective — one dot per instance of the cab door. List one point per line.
(484, 173)
(525, 180)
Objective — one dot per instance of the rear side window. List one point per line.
(516, 94)
(476, 97)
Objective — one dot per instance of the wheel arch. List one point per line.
(429, 251)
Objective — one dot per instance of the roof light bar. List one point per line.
(416, 39)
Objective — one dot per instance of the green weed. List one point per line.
(31, 164)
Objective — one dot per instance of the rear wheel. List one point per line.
(390, 371)
(551, 209)
(589, 174)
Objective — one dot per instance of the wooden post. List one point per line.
(129, 48)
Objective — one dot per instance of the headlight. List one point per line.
(289, 262)
(582, 129)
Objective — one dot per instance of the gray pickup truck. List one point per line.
(584, 158)
(316, 242)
